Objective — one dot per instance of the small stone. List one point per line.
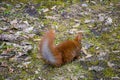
(20, 66)
(26, 64)
(84, 5)
(76, 25)
(82, 76)
(96, 68)
(2, 9)
(54, 27)
(87, 21)
(116, 51)
(97, 48)
(21, 26)
(4, 28)
(110, 64)
(45, 10)
(101, 0)
(72, 31)
(18, 33)
(28, 30)
(102, 56)
(54, 7)
(105, 29)
(93, 2)
(90, 26)
(51, 17)
(13, 22)
(102, 53)
(77, 21)
(26, 22)
(18, 6)
(88, 56)
(108, 21)
(111, 4)
(69, 69)
(86, 13)
(36, 72)
(87, 45)
(92, 21)
(101, 17)
(116, 78)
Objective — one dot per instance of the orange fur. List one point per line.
(58, 55)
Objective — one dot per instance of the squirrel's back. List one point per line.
(70, 50)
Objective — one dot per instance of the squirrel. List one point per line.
(62, 53)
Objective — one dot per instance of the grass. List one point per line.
(74, 70)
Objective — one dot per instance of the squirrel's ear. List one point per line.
(52, 31)
(79, 36)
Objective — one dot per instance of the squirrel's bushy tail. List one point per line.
(48, 51)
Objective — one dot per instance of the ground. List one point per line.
(22, 25)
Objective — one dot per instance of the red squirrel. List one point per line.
(62, 53)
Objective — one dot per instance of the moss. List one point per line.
(98, 7)
(92, 50)
(37, 68)
(115, 1)
(109, 72)
(1, 77)
(1, 31)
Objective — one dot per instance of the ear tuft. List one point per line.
(79, 36)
